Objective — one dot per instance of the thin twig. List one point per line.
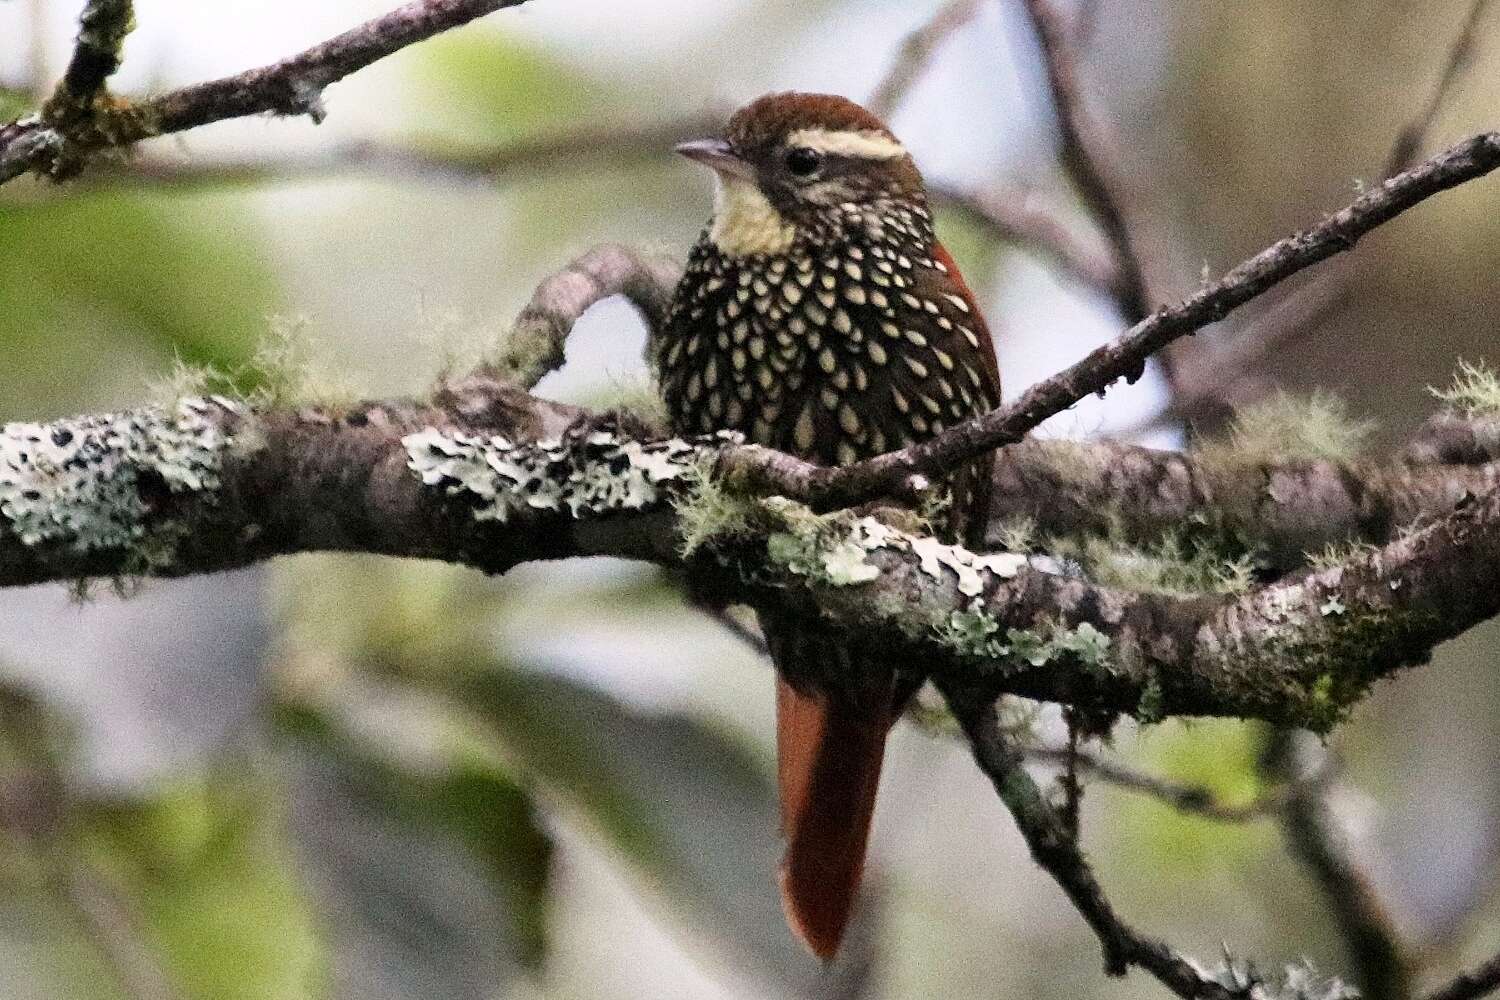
(1315, 835)
(1460, 54)
(749, 636)
(292, 86)
(576, 149)
(1477, 982)
(1087, 154)
(1059, 855)
(1012, 215)
(829, 488)
(1196, 800)
(1202, 382)
(915, 54)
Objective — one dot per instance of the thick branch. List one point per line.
(829, 488)
(293, 86)
(1281, 511)
(211, 484)
(534, 345)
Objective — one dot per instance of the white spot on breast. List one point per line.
(803, 434)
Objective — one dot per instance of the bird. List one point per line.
(819, 315)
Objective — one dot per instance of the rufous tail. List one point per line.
(829, 750)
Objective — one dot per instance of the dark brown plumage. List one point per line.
(820, 316)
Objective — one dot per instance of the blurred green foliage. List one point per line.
(89, 277)
(1218, 755)
(207, 866)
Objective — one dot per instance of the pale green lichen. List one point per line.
(1335, 554)
(1316, 428)
(708, 509)
(1016, 533)
(1150, 709)
(1336, 656)
(83, 482)
(285, 370)
(1475, 391)
(1172, 565)
(593, 472)
(975, 634)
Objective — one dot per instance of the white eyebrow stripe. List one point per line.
(864, 143)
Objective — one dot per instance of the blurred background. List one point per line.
(339, 777)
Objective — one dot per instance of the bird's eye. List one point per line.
(803, 161)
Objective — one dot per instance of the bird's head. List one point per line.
(803, 167)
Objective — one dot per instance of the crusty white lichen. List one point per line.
(596, 472)
(1296, 982)
(79, 482)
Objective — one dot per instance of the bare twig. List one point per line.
(534, 345)
(1202, 380)
(1477, 982)
(1013, 216)
(1411, 137)
(293, 86)
(916, 52)
(829, 488)
(1316, 836)
(1087, 154)
(1196, 800)
(580, 149)
(1056, 852)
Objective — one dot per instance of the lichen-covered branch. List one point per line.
(1282, 509)
(829, 488)
(292, 86)
(533, 347)
(494, 477)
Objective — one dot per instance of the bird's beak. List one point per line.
(717, 155)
